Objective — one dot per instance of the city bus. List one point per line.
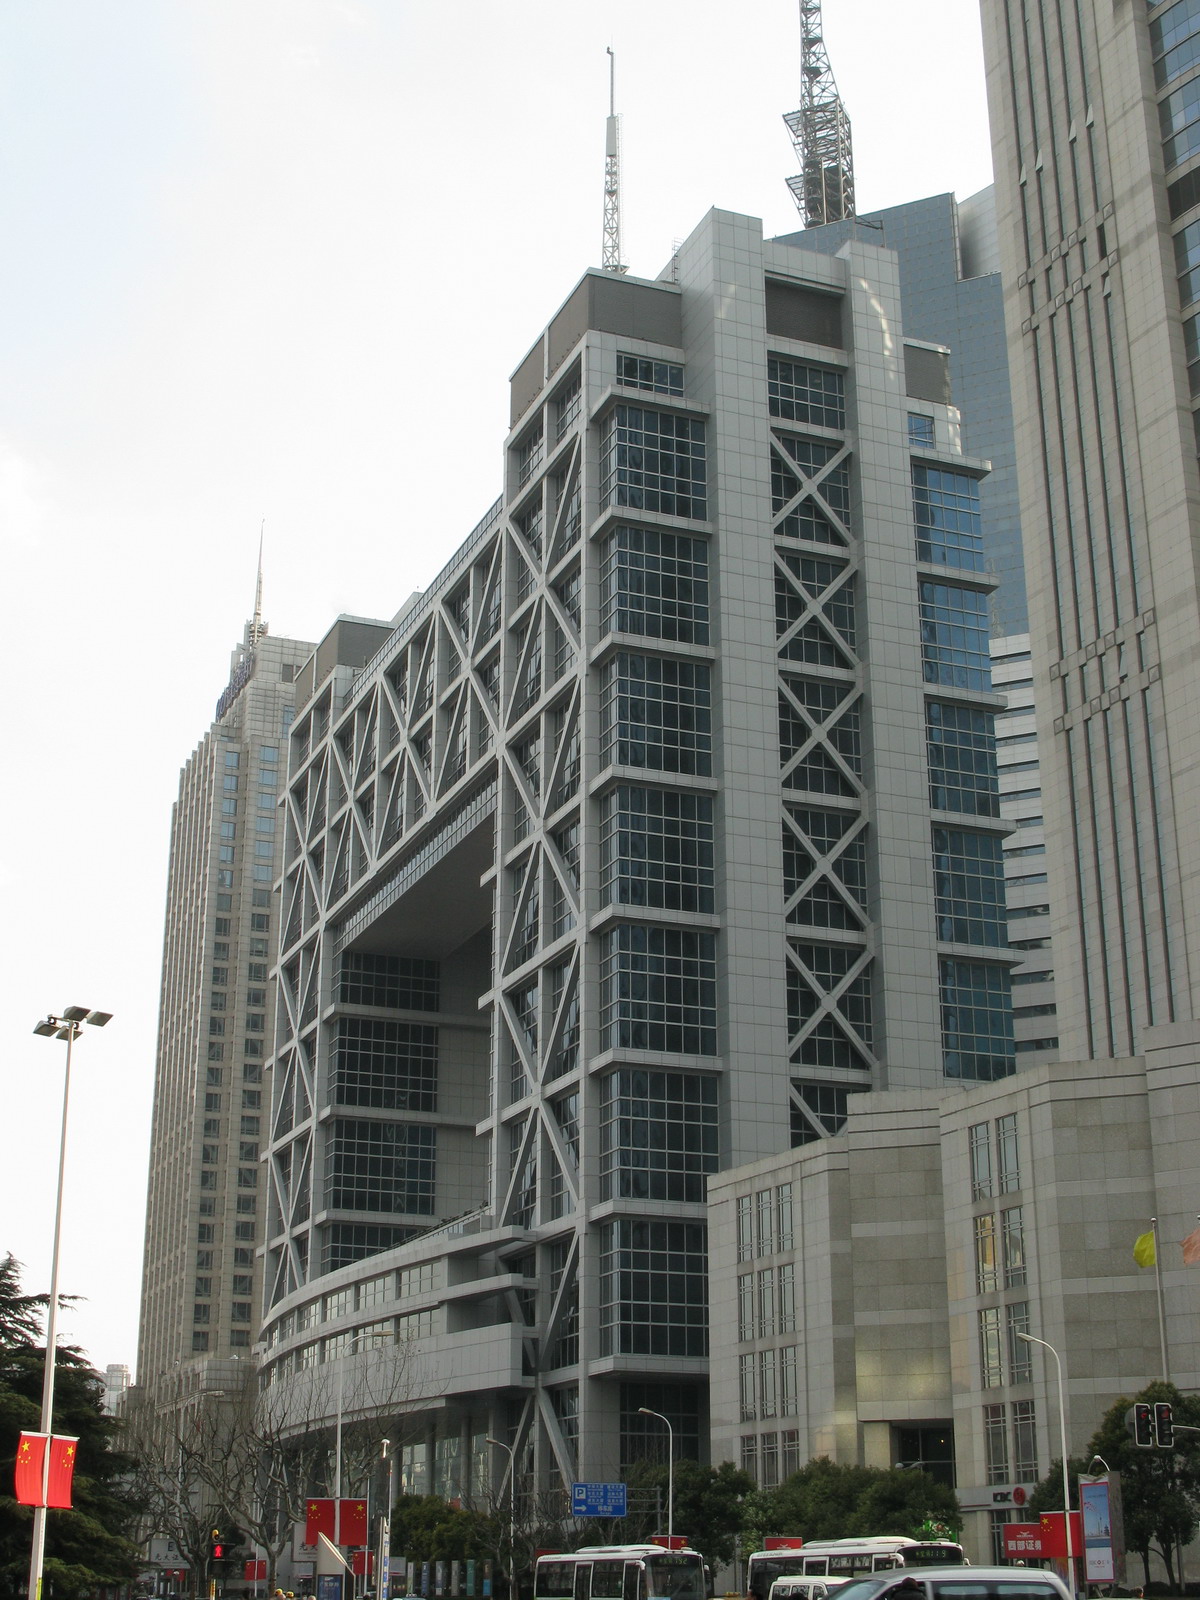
(845, 1558)
(621, 1572)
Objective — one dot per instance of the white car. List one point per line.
(957, 1583)
(804, 1588)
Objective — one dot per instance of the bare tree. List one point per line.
(254, 1456)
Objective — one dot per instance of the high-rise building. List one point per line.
(660, 825)
(1098, 201)
(201, 1279)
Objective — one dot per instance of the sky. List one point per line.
(270, 263)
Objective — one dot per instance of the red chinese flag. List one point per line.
(31, 1460)
(320, 1517)
(62, 1468)
(352, 1522)
(363, 1561)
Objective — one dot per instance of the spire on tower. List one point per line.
(612, 177)
(258, 628)
(824, 188)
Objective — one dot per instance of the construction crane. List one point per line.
(823, 189)
(612, 178)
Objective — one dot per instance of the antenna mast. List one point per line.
(612, 177)
(258, 627)
(824, 187)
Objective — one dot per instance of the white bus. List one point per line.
(846, 1558)
(621, 1572)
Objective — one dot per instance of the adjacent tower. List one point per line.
(200, 1284)
(1098, 184)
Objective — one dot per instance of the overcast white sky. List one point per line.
(276, 259)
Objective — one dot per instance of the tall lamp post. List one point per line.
(1066, 1471)
(69, 1026)
(512, 1513)
(644, 1411)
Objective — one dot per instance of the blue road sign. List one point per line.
(598, 1500)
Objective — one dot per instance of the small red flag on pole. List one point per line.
(352, 1522)
(61, 1470)
(31, 1460)
(320, 1518)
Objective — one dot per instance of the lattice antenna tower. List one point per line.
(612, 177)
(823, 189)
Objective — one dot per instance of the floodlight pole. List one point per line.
(1066, 1471)
(69, 1028)
(646, 1412)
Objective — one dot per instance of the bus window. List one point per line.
(553, 1579)
(607, 1580)
(583, 1574)
(635, 1581)
(672, 1577)
(816, 1565)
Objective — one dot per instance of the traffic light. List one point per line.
(1164, 1427)
(1140, 1421)
(216, 1546)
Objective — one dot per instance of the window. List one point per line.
(1012, 1247)
(398, 982)
(529, 455)
(657, 849)
(642, 372)
(968, 878)
(659, 989)
(807, 474)
(985, 1254)
(747, 1389)
(212, 1102)
(745, 1228)
(380, 1166)
(653, 1288)
(995, 1444)
(393, 1065)
(954, 636)
(801, 392)
(920, 431)
(829, 1037)
(658, 1135)
(243, 1283)
(201, 1313)
(212, 1125)
(834, 844)
(1024, 1429)
(1008, 1163)
(657, 714)
(783, 1217)
(1175, 41)
(251, 1099)
(203, 1286)
(991, 1356)
(820, 736)
(213, 1076)
(653, 461)
(764, 1223)
(1020, 1356)
(787, 1382)
(656, 584)
(209, 1154)
(946, 511)
(767, 1401)
(766, 1304)
(977, 1032)
(248, 1149)
(567, 403)
(247, 1177)
(747, 1326)
(980, 1142)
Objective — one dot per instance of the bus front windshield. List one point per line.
(671, 1577)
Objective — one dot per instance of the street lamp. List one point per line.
(512, 1512)
(1066, 1472)
(644, 1411)
(68, 1027)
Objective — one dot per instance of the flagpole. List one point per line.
(1162, 1314)
(38, 1552)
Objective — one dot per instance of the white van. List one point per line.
(804, 1588)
